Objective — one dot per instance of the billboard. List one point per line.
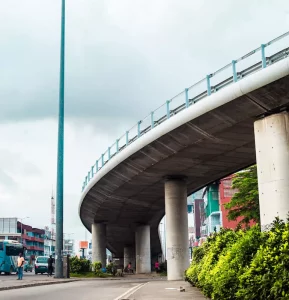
(83, 244)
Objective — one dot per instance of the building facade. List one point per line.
(33, 239)
(212, 212)
(226, 192)
(49, 242)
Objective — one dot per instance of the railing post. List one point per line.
(138, 128)
(108, 153)
(264, 63)
(102, 160)
(117, 145)
(83, 186)
(187, 97)
(168, 109)
(85, 180)
(235, 77)
(208, 85)
(92, 173)
(96, 166)
(126, 137)
(152, 120)
(88, 176)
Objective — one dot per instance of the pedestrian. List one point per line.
(157, 266)
(50, 265)
(20, 263)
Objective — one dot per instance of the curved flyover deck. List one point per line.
(204, 142)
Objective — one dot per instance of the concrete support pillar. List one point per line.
(272, 154)
(98, 232)
(143, 249)
(129, 256)
(177, 237)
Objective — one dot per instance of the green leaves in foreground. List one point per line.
(247, 265)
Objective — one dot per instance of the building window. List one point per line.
(215, 195)
(227, 183)
(229, 193)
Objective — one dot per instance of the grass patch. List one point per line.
(90, 275)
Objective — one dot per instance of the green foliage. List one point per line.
(243, 264)
(245, 203)
(90, 275)
(109, 268)
(96, 266)
(79, 265)
(268, 276)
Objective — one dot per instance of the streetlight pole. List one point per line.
(60, 152)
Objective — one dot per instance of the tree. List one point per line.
(245, 203)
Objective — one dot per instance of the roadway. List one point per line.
(85, 290)
(105, 290)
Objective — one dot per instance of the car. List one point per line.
(27, 267)
(41, 265)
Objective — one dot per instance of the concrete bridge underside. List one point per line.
(205, 149)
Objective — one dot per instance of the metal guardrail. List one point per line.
(189, 97)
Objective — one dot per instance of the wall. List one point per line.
(226, 192)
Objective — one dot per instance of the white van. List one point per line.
(41, 265)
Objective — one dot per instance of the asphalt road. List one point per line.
(80, 290)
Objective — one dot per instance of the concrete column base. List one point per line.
(177, 237)
(98, 235)
(129, 256)
(143, 249)
(272, 154)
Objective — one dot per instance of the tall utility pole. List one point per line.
(60, 152)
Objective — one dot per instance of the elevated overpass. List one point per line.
(201, 135)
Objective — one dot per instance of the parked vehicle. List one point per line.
(28, 267)
(9, 251)
(41, 265)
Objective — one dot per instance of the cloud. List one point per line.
(120, 56)
(6, 180)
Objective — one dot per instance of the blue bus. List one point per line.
(9, 251)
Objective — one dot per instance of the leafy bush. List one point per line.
(97, 265)
(243, 264)
(79, 265)
(268, 275)
(109, 268)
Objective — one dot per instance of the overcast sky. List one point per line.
(123, 59)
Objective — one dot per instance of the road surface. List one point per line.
(84, 290)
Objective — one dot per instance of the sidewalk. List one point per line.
(163, 290)
(28, 281)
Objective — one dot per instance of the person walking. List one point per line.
(20, 263)
(50, 265)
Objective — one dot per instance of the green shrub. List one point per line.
(217, 245)
(109, 268)
(232, 264)
(243, 264)
(96, 266)
(268, 275)
(79, 265)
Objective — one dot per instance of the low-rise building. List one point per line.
(32, 238)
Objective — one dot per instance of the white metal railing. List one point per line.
(212, 83)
